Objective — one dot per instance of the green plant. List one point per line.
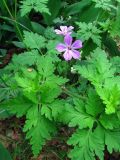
(96, 116)
(38, 6)
(89, 31)
(37, 93)
(46, 92)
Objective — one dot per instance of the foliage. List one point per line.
(4, 154)
(38, 6)
(95, 127)
(89, 31)
(47, 92)
(34, 98)
(104, 4)
(101, 73)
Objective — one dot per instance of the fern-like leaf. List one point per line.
(87, 144)
(112, 140)
(89, 31)
(98, 68)
(38, 128)
(77, 116)
(104, 4)
(33, 40)
(101, 72)
(37, 5)
(18, 106)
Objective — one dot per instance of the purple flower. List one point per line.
(64, 30)
(69, 48)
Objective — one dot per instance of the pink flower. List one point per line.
(69, 48)
(64, 30)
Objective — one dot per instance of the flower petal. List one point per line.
(61, 47)
(68, 40)
(57, 31)
(77, 44)
(75, 54)
(67, 55)
(70, 28)
(63, 28)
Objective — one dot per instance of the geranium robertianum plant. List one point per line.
(31, 87)
(66, 75)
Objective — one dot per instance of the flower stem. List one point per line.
(8, 10)
(4, 1)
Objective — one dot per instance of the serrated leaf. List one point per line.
(93, 105)
(33, 40)
(110, 97)
(109, 121)
(89, 31)
(46, 96)
(104, 4)
(98, 68)
(77, 116)
(112, 140)
(101, 73)
(87, 144)
(17, 106)
(24, 59)
(45, 66)
(57, 107)
(116, 62)
(38, 128)
(45, 110)
(38, 6)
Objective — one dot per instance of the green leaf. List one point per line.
(33, 40)
(89, 31)
(112, 140)
(101, 73)
(87, 144)
(45, 66)
(37, 28)
(4, 154)
(93, 105)
(49, 93)
(57, 107)
(51, 51)
(111, 46)
(110, 97)
(45, 110)
(29, 85)
(26, 58)
(50, 34)
(26, 83)
(4, 113)
(18, 106)
(97, 68)
(116, 62)
(18, 44)
(93, 14)
(104, 4)
(77, 7)
(53, 10)
(38, 6)
(56, 80)
(8, 87)
(77, 116)
(53, 110)
(109, 121)
(38, 128)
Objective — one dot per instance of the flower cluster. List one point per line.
(69, 47)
